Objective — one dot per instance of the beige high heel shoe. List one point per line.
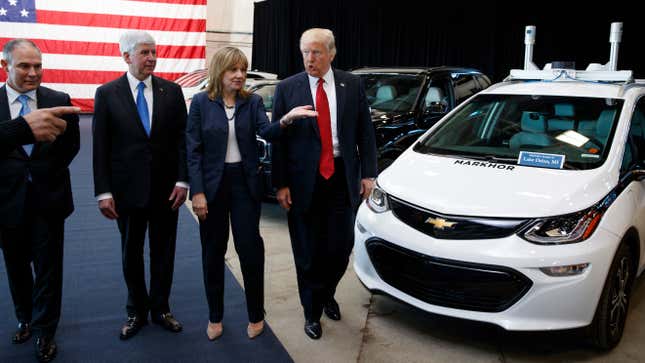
(214, 330)
(255, 329)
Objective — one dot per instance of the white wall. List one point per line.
(229, 23)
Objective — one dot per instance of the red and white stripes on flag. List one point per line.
(79, 39)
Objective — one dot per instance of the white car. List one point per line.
(524, 207)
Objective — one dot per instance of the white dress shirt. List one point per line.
(232, 148)
(15, 105)
(330, 89)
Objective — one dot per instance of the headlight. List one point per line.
(377, 200)
(568, 228)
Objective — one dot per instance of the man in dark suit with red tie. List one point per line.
(322, 166)
(35, 194)
(140, 175)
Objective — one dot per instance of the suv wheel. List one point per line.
(609, 322)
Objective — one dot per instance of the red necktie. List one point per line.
(326, 165)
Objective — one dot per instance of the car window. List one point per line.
(465, 86)
(266, 92)
(391, 92)
(483, 81)
(437, 96)
(635, 146)
(501, 126)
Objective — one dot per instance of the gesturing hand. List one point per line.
(46, 124)
(297, 113)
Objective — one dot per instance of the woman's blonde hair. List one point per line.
(224, 59)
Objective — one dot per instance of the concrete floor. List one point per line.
(380, 329)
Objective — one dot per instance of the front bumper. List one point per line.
(509, 289)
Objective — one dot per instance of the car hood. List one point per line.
(469, 187)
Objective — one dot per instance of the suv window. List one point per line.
(465, 86)
(437, 97)
(498, 127)
(391, 92)
(635, 145)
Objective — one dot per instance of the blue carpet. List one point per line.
(94, 296)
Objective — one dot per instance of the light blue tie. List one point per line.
(23, 111)
(142, 108)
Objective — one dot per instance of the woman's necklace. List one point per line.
(231, 110)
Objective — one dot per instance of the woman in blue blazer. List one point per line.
(223, 172)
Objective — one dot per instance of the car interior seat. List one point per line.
(603, 125)
(533, 132)
(563, 118)
(385, 93)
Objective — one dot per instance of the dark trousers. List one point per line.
(322, 238)
(37, 299)
(233, 200)
(161, 224)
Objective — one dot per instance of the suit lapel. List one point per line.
(158, 94)
(5, 114)
(340, 101)
(308, 99)
(124, 93)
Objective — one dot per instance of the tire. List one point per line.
(608, 324)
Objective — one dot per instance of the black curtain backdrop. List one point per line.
(488, 35)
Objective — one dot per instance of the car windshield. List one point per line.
(391, 92)
(266, 92)
(496, 128)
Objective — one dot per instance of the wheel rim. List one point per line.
(619, 297)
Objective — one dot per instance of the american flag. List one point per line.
(79, 38)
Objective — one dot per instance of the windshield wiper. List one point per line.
(491, 158)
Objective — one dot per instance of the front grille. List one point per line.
(452, 227)
(449, 283)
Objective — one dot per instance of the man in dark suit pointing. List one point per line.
(140, 175)
(322, 166)
(35, 192)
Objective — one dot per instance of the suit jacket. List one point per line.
(138, 170)
(47, 165)
(14, 133)
(207, 139)
(296, 156)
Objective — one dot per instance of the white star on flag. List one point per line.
(13, 2)
(24, 13)
(3, 11)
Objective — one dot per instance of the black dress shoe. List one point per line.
(313, 329)
(332, 310)
(45, 349)
(22, 334)
(167, 321)
(132, 327)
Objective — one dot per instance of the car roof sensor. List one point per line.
(565, 71)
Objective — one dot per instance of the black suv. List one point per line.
(405, 102)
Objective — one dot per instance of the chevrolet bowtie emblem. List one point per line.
(440, 223)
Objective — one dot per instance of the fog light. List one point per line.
(568, 270)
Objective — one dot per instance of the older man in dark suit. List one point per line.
(35, 194)
(140, 175)
(322, 166)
